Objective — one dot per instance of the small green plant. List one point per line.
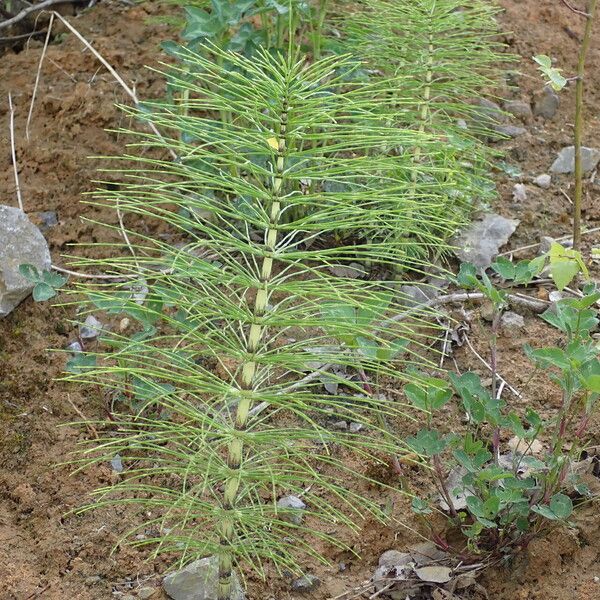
(46, 283)
(501, 499)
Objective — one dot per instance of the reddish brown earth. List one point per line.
(46, 552)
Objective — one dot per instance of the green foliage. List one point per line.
(46, 282)
(421, 48)
(499, 499)
(239, 297)
(552, 74)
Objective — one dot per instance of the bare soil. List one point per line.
(48, 552)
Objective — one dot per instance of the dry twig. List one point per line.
(28, 10)
(13, 151)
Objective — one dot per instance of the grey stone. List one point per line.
(519, 193)
(543, 181)
(340, 425)
(511, 131)
(306, 583)
(547, 103)
(356, 427)
(74, 347)
(565, 161)
(146, 592)
(480, 243)
(486, 115)
(91, 328)
(545, 244)
(199, 581)
(46, 219)
(519, 109)
(292, 508)
(21, 243)
(391, 558)
(511, 321)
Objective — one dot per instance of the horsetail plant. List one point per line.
(238, 289)
(438, 58)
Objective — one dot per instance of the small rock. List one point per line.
(480, 242)
(340, 425)
(198, 581)
(74, 347)
(519, 193)
(416, 295)
(555, 296)
(546, 243)
(21, 243)
(306, 583)
(91, 328)
(511, 131)
(116, 463)
(519, 109)
(292, 508)
(511, 321)
(546, 105)
(462, 124)
(486, 115)
(92, 580)
(356, 427)
(391, 558)
(146, 592)
(565, 161)
(543, 181)
(47, 219)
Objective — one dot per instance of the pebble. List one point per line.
(293, 507)
(356, 427)
(146, 592)
(47, 219)
(545, 244)
(91, 328)
(519, 109)
(512, 321)
(306, 583)
(519, 193)
(21, 243)
(546, 105)
(393, 558)
(565, 161)
(340, 425)
(74, 347)
(511, 131)
(543, 181)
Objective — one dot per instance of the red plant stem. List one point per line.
(582, 426)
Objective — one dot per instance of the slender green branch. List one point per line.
(579, 123)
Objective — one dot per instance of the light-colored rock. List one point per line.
(391, 558)
(21, 242)
(547, 104)
(198, 581)
(306, 583)
(543, 181)
(291, 509)
(91, 328)
(519, 109)
(146, 592)
(511, 321)
(519, 193)
(510, 131)
(545, 244)
(480, 243)
(565, 161)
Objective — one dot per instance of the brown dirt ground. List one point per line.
(47, 553)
